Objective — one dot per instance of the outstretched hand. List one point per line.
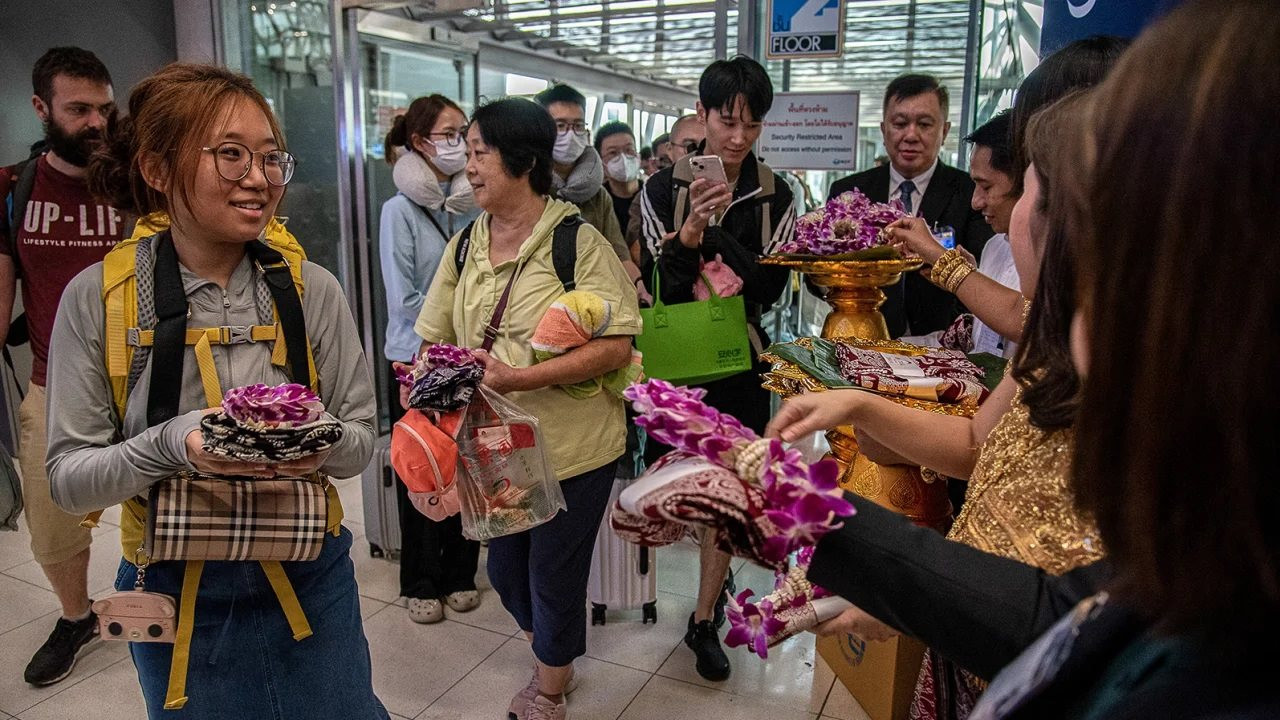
(911, 236)
(813, 412)
(855, 621)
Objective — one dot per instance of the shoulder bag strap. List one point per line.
(564, 251)
(167, 351)
(495, 320)
(288, 306)
(434, 223)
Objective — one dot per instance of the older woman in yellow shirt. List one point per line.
(540, 574)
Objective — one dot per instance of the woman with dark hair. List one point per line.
(1175, 442)
(1079, 64)
(508, 280)
(426, 147)
(202, 156)
(1018, 504)
(1014, 451)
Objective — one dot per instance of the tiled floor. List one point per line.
(478, 660)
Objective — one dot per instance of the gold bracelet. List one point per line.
(943, 265)
(958, 276)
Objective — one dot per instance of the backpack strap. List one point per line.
(564, 250)
(288, 304)
(170, 334)
(681, 178)
(464, 244)
(21, 194)
(766, 178)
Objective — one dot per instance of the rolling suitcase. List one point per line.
(381, 513)
(623, 576)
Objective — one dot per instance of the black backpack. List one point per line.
(17, 210)
(564, 250)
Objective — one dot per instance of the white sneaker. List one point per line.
(425, 611)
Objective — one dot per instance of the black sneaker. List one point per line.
(730, 588)
(56, 658)
(704, 641)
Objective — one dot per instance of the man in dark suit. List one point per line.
(914, 128)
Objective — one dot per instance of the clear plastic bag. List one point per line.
(509, 485)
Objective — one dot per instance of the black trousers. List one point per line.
(435, 559)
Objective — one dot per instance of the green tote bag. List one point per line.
(694, 342)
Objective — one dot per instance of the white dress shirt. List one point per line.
(921, 181)
(997, 264)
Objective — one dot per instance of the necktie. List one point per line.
(905, 190)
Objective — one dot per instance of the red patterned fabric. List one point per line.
(689, 490)
(938, 375)
(944, 691)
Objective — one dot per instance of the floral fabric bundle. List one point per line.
(849, 223)
(763, 500)
(269, 423)
(443, 379)
(939, 375)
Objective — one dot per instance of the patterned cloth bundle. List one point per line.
(938, 375)
(443, 379)
(262, 423)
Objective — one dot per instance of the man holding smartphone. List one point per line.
(721, 202)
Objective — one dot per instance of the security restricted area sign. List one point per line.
(811, 131)
(805, 29)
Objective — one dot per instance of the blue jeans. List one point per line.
(541, 574)
(244, 660)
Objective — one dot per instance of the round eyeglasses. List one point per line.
(578, 128)
(234, 161)
(451, 138)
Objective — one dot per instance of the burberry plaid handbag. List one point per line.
(192, 516)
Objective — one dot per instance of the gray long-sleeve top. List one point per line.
(91, 466)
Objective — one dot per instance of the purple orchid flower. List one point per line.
(848, 223)
(751, 624)
(278, 406)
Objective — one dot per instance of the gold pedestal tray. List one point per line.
(901, 488)
(853, 291)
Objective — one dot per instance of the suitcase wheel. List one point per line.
(375, 551)
(597, 613)
(650, 610)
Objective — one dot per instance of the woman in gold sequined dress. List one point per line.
(1016, 451)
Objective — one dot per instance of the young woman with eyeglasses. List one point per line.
(201, 156)
(434, 201)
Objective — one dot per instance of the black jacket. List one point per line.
(915, 304)
(737, 239)
(981, 611)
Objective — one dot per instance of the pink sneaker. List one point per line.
(519, 704)
(543, 709)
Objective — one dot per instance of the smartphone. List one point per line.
(710, 167)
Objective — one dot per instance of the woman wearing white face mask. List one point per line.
(434, 202)
(616, 144)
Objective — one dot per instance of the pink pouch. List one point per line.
(725, 281)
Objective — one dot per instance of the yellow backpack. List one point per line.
(122, 338)
(120, 297)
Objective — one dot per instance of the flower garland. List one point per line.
(802, 500)
(272, 406)
(850, 222)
